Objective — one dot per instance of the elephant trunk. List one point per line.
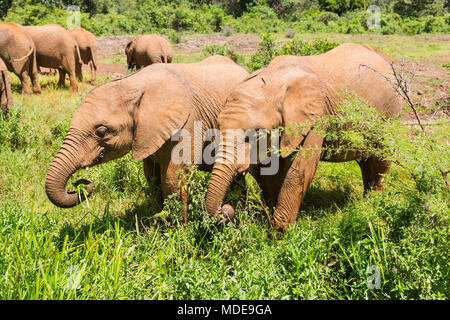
(224, 170)
(63, 166)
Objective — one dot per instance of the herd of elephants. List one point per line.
(140, 112)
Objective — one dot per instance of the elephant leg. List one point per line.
(93, 73)
(33, 71)
(372, 170)
(270, 184)
(26, 89)
(79, 72)
(35, 82)
(172, 183)
(152, 171)
(298, 177)
(62, 78)
(73, 82)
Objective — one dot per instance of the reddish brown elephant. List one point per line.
(87, 44)
(18, 52)
(58, 50)
(144, 50)
(293, 91)
(5, 89)
(141, 113)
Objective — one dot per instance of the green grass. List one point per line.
(115, 247)
(115, 59)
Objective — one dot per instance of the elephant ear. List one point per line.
(306, 100)
(158, 115)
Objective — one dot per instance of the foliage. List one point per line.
(106, 17)
(268, 50)
(341, 6)
(223, 50)
(297, 47)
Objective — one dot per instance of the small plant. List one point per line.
(174, 36)
(290, 33)
(267, 50)
(223, 50)
(13, 133)
(227, 31)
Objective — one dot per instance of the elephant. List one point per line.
(5, 89)
(144, 50)
(296, 90)
(18, 52)
(58, 50)
(87, 44)
(141, 112)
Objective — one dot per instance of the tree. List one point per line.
(341, 6)
(415, 8)
(4, 7)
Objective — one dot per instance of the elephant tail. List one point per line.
(78, 55)
(25, 56)
(93, 58)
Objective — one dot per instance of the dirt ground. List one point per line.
(430, 88)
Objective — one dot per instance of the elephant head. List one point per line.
(129, 51)
(283, 96)
(134, 113)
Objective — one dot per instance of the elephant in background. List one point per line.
(144, 50)
(5, 89)
(87, 44)
(141, 112)
(58, 50)
(18, 52)
(294, 91)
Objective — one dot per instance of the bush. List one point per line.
(298, 47)
(154, 16)
(223, 50)
(290, 33)
(326, 17)
(14, 134)
(267, 50)
(227, 31)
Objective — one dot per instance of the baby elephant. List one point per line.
(141, 112)
(290, 92)
(87, 43)
(144, 50)
(5, 89)
(56, 49)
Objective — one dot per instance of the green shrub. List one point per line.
(267, 50)
(14, 134)
(326, 17)
(298, 47)
(223, 50)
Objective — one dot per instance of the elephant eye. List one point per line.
(101, 131)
